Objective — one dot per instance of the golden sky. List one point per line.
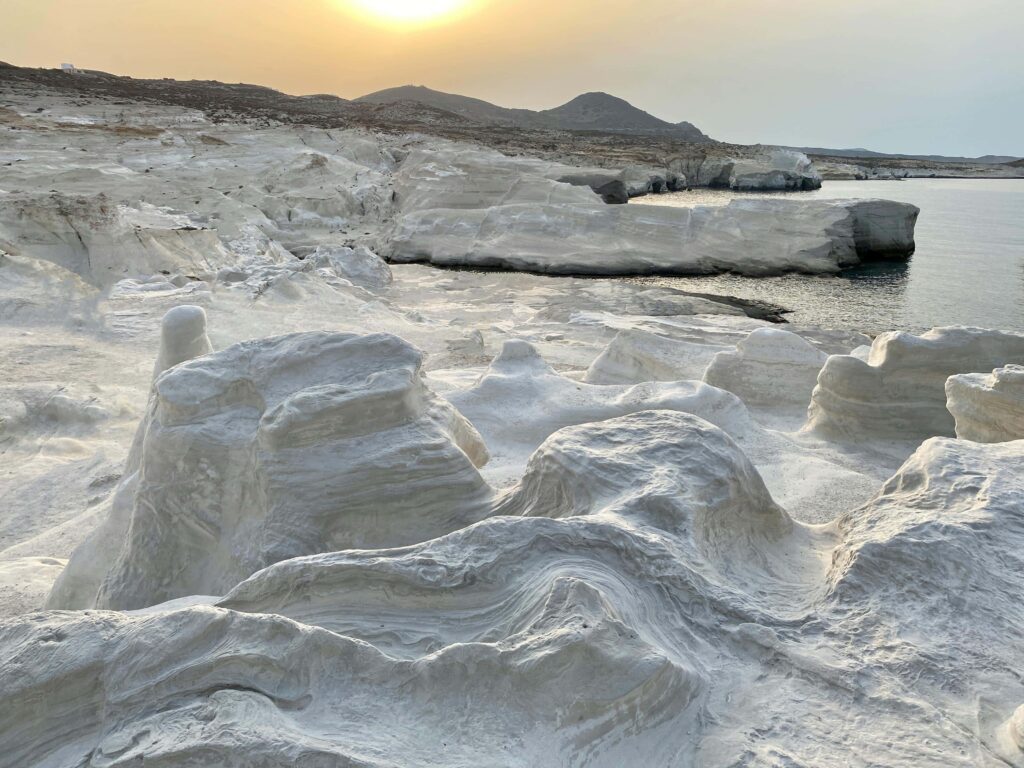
(894, 75)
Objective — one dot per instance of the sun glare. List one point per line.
(412, 11)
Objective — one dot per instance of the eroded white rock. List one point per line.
(103, 242)
(769, 367)
(753, 237)
(520, 401)
(182, 337)
(635, 355)
(988, 408)
(899, 392)
(279, 448)
(360, 265)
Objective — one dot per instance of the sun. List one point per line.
(412, 11)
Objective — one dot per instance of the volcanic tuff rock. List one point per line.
(103, 242)
(520, 401)
(635, 356)
(351, 586)
(988, 408)
(769, 367)
(275, 449)
(899, 391)
(460, 205)
(632, 137)
(811, 236)
(607, 613)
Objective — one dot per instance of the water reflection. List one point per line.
(968, 269)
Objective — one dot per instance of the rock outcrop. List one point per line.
(275, 449)
(589, 621)
(359, 265)
(752, 237)
(182, 338)
(103, 242)
(634, 356)
(988, 408)
(766, 169)
(468, 207)
(899, 391)
(769, 367)
(521, 401)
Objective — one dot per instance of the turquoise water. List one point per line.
(968, 269)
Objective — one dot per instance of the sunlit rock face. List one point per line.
(988, 408)
(279, 448)
(899, 391)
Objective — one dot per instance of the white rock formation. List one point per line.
(182, 338)
(644, 588)
(359, 265)
(769, 367)
(103, 242)
(754, 237)
(899, 392)
(933, 565)
(779, 170)
(635, 583)
(274, 449)
(988, 408)
(520, 401)
(634, 356)
(316, 191)
(771, 169)
(460, 177)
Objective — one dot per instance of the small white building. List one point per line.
(68, 68)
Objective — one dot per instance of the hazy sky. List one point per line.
(921, 76)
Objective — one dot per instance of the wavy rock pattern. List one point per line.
(275, 449)
(638, 594)
(103, 242)
(899, 391)
(520, 401)
(647, 573)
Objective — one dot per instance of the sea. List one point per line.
(968, 268)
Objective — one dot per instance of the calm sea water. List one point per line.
(968, 269)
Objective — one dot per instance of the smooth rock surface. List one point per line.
(520, 401)
(752, 237)
(182, 337)
(899, 391)
(634, 356)
(769, 367)
(988, 408)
